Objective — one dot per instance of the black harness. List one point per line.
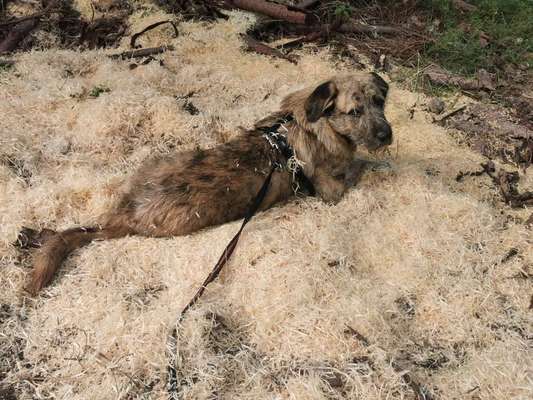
(285, 159)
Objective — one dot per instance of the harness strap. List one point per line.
(226, 254)
(278, 141)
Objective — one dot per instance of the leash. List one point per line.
(226, 254)
(301, 184)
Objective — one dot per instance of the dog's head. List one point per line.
(353, 106)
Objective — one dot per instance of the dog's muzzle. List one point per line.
(383, 134)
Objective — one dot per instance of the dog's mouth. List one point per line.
(349, 141)
(377, 146)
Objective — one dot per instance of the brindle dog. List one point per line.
(180, 194)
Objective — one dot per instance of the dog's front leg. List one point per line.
(328, 187)
(358, 166)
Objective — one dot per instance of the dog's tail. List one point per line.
(57, 248)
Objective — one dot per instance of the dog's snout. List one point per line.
(384, 133)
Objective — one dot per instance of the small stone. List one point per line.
(57, 146)
(436, 105)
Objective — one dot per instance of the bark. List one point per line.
(272, 10)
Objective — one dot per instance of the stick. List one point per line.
(358, 336)
(149, 51)
(262, 48)
(149, 28)
(310, 37)
(354, 27)
(449, 113)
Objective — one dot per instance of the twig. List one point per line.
(149, 28)
(149, 51)
(510, 254)
(310, 37)
(358, 336)
(262, 48)
(449, 113)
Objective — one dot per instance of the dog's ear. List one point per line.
(381, 84)
(320, 100)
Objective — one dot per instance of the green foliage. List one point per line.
(5, 66)
(508, 25)
(98, 90)
(342, 10)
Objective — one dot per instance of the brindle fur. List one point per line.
(180, 194)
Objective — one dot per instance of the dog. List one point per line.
(307, 147)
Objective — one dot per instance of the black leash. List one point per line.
(228, 251)
(301, 184)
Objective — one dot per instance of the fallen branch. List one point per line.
(262, 48)
(272, 10)
(149, 51)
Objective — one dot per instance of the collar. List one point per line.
(276, 136)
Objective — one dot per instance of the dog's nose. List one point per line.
(384, 133)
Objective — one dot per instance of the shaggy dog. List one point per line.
(307, 147)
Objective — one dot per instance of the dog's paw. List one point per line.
(380, 166)
(30, 238)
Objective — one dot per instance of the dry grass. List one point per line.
(410, 260)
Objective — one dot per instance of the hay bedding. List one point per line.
(410, 261)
